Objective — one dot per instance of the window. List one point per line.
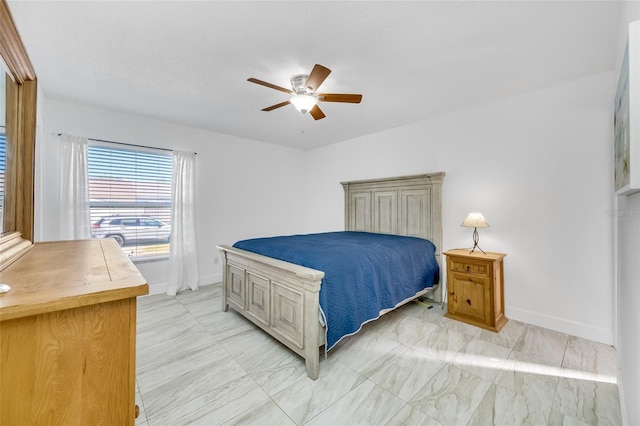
(130, 198)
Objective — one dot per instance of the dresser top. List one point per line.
(477, 254)
(66, 274)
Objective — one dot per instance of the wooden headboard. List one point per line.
(403, 205)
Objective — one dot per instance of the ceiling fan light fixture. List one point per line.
(303, 103)
(305, 96)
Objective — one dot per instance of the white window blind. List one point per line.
(130, 198)
(3, 167)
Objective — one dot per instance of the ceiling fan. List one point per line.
(305, 98)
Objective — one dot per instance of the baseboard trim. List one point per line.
(159, 288)
(623, 407)
(563, 325)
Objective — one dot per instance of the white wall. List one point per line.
(244, 188)
(627, 274)
(537, 166)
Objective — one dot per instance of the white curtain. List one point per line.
(75, 220)
(183, 256)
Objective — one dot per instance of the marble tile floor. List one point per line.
(199, 365)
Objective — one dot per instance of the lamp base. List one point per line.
(476, 238)
(477, 247)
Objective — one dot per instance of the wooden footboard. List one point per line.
(279, 297)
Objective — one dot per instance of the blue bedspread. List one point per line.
(364, 272)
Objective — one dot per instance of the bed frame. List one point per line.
(282, 298)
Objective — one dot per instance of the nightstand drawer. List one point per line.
(456, 265)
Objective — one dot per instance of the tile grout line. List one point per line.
(555, 393)
(142, 401)
(212, 336)
(493, 382)
(247, 373)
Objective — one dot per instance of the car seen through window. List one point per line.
(131, 230)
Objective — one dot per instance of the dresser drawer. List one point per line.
(457, 265)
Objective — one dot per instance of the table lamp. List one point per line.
(475, 220)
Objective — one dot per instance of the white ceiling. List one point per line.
(188, 62)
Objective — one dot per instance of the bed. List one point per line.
(274, 289)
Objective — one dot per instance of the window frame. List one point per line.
(21, 91)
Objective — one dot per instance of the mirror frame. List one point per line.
(21, 102)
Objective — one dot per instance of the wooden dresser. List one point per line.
(475, 288)
(68, 335)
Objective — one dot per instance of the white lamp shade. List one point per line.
(475, 220)
(303, 103)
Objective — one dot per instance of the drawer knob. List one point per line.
(468, 268)
(469, 302)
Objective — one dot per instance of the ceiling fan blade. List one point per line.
(272, 107)
(340, 97)
(317, 76)
(317, 113)
(273, 86)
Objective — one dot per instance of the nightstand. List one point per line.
(475, 289)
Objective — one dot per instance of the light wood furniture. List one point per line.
(283, 298)
(68, 335)
(475, 288)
